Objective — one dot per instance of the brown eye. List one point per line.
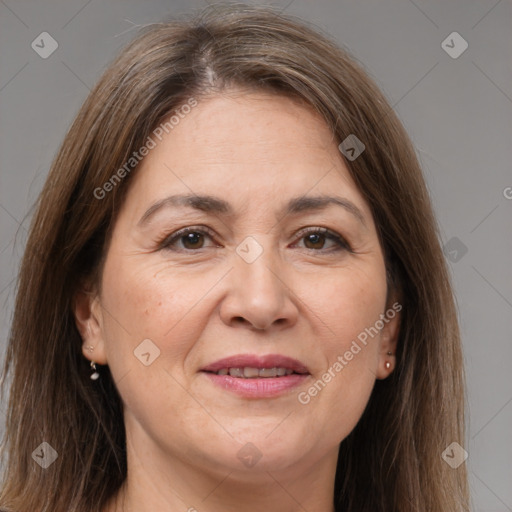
(193, 240)
(314, 241)
(188, 239)
(322, 240)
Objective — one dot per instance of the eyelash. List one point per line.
(342, 244)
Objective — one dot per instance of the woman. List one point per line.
(233, 295)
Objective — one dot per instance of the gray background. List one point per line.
(458, 111)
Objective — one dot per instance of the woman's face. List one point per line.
(281, 270)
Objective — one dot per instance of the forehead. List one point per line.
(248, 146)
(271, 128)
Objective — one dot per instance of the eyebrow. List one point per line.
(215, 205)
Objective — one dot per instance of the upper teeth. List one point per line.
(250, 373)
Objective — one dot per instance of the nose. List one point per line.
(258, 296)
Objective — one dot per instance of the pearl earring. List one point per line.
(388, 364)
(95, 375)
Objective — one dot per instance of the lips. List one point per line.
(257, 377)
(253, 366)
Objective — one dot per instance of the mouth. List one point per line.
(249, 372)
(251, 366)
(255, 376)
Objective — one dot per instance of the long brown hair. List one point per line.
(392, 459)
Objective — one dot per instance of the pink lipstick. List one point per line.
(254, 376)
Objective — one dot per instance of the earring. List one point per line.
(95, 375)
(388, 364)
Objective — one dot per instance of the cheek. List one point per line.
(146, 300)
(153, 317)
(348, 307)
(155, 302)
(349, 303)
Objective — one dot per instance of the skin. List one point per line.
(301, 297)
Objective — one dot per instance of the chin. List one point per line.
(260, 450)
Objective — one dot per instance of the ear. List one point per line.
(389, 339)
(89, 321)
